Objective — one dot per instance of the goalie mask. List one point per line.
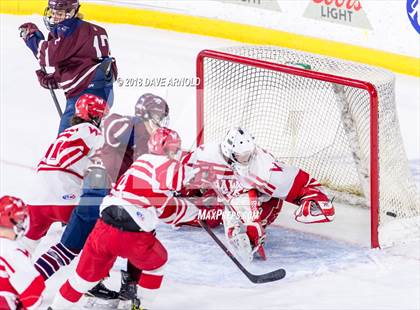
(58, 11)
(238, 146)
(14, 214)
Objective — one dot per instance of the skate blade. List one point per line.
(97, 303)
(124, 304)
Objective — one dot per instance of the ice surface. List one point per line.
(328, 266)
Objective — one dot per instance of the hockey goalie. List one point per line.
(252, 185)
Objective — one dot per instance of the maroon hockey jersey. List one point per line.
(125, 140)
(75, 49)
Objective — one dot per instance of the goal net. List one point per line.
(332, 118)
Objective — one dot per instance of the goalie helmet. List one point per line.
(91, 108)
(14, 214)
(154, 108)
(163, 141)
(238, 146)
(59, 10)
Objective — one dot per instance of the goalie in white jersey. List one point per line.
(253, 185)
(60, 173)
(144, 195)
(21, 286)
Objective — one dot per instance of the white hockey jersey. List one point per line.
(264, 173)
(19, 280)
(147, 192)
(60, 173)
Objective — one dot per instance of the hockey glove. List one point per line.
(210, 210)
(46, 80)
(311, 211)
(27, 30)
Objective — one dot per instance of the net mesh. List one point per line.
(321, 127)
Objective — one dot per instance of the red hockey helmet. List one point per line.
(91, 108)
(163, 141)
(14, 214)
(152, 107)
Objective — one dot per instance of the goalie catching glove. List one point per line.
(311, 211)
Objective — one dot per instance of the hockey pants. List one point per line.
(102, 248)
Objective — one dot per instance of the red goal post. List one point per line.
(272, 67)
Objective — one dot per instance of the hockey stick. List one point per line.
(262, 278)
(54, 97)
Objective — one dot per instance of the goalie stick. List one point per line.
(261, 278)
(54, 97)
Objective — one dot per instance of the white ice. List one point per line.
(329, 266)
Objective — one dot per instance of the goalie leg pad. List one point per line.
(247, 235)
(240, 243)
(311, 211)
(257, 237)
(270, 210)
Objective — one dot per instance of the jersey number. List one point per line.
(122, 182)
(103, 39)
(52, 155)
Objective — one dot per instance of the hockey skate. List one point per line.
(128, 292)
(102, 292)
(100, 297)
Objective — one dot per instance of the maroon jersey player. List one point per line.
(77, 50)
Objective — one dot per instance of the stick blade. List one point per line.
(268, 277)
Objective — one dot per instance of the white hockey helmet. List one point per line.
(238, 145)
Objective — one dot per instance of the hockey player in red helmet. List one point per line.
(78, 51)
(164, 142)
(61, 171)
(142, 197)
(126, 139)
(21, 286)
(90, 108)
(13, 217)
